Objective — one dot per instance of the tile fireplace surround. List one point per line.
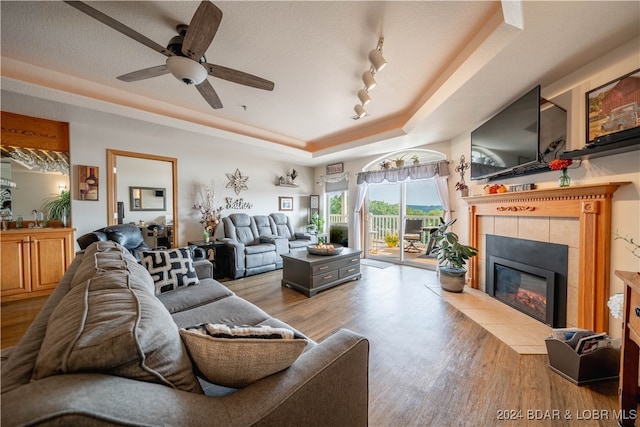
(578, 216)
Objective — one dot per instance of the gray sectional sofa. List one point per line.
(256, 242)
(107, 350)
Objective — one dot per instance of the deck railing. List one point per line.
(381, 225)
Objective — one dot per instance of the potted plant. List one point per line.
(452, 257)
(463, 188)
(416, 159)
(318, 222)
(58, 207)
(392, 239)
(399, 161)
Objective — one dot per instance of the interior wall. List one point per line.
(570, 94)
(202, 160)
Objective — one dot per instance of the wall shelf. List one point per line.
(625, 146)
(287, 185)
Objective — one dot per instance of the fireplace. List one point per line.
(530, 276)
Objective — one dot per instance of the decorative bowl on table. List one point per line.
(325, 249)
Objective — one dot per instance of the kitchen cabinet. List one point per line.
(33, 261)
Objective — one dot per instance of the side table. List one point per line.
(217, 255)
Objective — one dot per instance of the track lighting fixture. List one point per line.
(364, 97)
(377, 63)
(368, 80)
(359, 109)
(377, 60)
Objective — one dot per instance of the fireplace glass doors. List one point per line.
(530, 276)
(530, 290)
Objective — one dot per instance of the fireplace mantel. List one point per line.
(591, 205)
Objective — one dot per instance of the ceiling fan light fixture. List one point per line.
(377, 60)
(369, 81)
(186, 70)
(364, 97)
(359, 109)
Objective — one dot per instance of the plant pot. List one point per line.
(452, 279)
(391, 244)
(399, 163)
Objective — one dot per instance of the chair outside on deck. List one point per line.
(412, 234)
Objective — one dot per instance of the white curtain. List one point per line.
(442, 187)
(438, 170)
(359, 202)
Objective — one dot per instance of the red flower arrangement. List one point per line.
(559, 164)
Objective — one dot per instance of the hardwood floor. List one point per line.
(430, 365)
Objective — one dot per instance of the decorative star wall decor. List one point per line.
(237, 181)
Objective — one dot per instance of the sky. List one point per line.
(418, 193)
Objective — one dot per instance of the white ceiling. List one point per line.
(451, 65)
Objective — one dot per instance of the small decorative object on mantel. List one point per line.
(562, 164)
(416, 159)
(461, 185)
(237, 181)
(522, 187)
(210, 214)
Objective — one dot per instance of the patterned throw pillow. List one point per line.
(170, 269)
(236, 356)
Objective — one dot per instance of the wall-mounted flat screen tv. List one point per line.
(527, 133)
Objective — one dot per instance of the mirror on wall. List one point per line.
(148, 199)
(142, 190)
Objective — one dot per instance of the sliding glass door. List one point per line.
(400, 217)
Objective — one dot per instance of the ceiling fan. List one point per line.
(185, 52)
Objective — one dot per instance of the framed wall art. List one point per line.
(285, 203)
(335, 168)
(613, 110)
(88, 183)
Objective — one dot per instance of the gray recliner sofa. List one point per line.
(257, 242)
(281, 226)
(327, 385)
(249, 251)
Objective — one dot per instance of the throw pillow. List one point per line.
(107, 325)
(170, 269)
(238, 356)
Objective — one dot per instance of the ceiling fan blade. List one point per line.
(209, 94)
(202, 29)
(147, 73)
(118, 26)
(238, 77)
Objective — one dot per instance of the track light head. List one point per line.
(377, 60)
(369, 81)
(359, 109)
(364, 97)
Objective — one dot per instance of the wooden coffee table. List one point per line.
(311, 274)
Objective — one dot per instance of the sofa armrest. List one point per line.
(204, 269)
(328, 385)
(303, 236)
(236, 257)
(281, 243)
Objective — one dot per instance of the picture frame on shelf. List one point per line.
(285, 203)
(612, 108)
(88, 183)
(334, 168)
